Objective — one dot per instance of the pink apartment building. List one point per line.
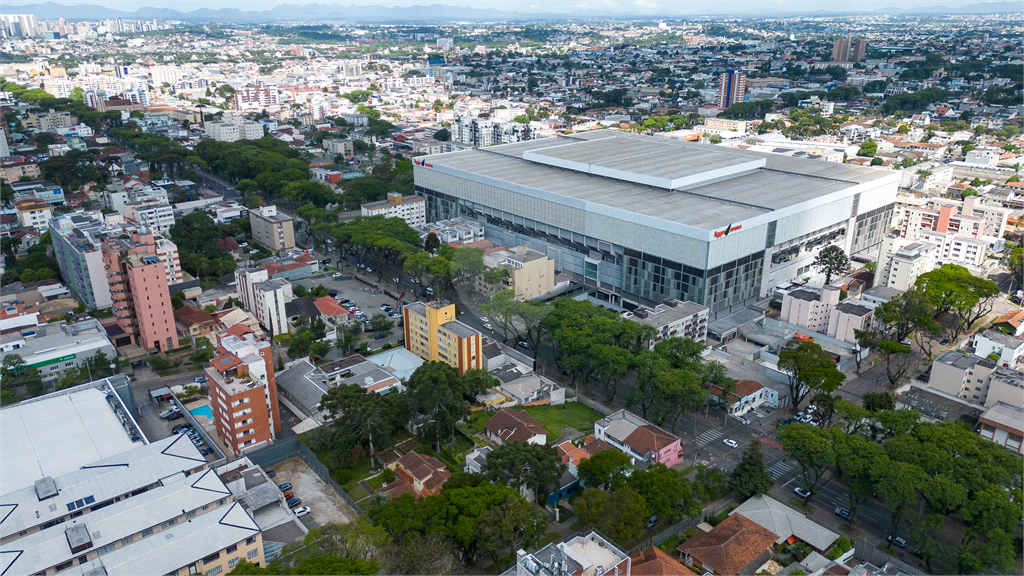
(139, 291)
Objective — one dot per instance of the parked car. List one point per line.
(179, 427)
(336, 275)
(802, 492)
(294, 502)
(430, 291)
(289, 495)
(332, 292)
(730, 443)
(652, 521)
(744, 420)
(369, 270)
(380, 336)
(285, 486)
(897, 541)
(174, 416)
(489, 327)
(302, 511)
(271, 473)
(200, 380)
(395, 315)
(167, 413)
(395, 280)
(843, 513)
(384, 307)
(206, 451)
(905, 342)
(485, 319)
(524, 345)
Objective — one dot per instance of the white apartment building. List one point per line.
(33, 213)
(942, 219)
(412, 209)
(156, 216)
(256, 97)
(900, 263)
(343, 147)
(995, 217)
(988, 157)
(264, 297)
(674, 319)
(233, 132)
(955, 249)
(1010, 349)
(977, 380)
(825, 314)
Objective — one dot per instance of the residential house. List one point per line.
(476, 459)
(509, 425)
(736, 546)
(1013, 321)
(749, 395)
(653, 561)
(639, 439)
(787, 523)
(581, 555)
(1009, 349)
(194, 322)
(418, 474)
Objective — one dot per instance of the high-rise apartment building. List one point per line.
(860, 49)
(256, 97)
(243, 390)
(841, 50)
(412, 209)
(271, 229)
(265, 297)
(141, 301)
(5, 149)
(433, 333)
(732, 85)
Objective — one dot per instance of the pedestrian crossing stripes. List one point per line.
(778, 469)
(708, 437)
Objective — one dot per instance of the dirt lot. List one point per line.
(325, 505)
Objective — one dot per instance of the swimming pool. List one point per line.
(205, 411)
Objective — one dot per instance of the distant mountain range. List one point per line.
(436, 13)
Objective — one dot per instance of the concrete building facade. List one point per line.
(243, 391)
(265, 298)
(673, 319)
(433, 333)
(638, 219)
(412, 209)
(141, 301)
(272, 229)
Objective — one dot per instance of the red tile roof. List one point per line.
(328, 307)
(514, 425)
(654, 562)
(730, 546)
(649, 438)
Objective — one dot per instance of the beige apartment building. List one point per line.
(530, 273)
(271, 229)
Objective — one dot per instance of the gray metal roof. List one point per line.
(304, 384)
(629, 172)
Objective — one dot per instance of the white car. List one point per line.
(302, 511)
(336, 275)
(489, 327)
(484, 319)
(730, 443)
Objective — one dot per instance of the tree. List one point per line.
(381, 323)
(625, 516)
(513, 524)
(431, 243)
(877, 401)
(665, 492)
(857, 461)
(898, 483)
(443, 135)
(809, 368)
(903, 314)
(953, 289)
(749, 477)
(831, 261)
(606, 469)
(812, 448)
(866, 339)
(868, 148)
(518, 464)
(898, 361)
(366, 412)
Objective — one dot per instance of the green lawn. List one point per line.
(477, 419)
(555, 418)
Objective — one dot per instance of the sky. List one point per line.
(625, 7)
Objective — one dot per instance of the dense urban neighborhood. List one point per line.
(324, 290)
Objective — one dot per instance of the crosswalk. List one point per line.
(778, 469)
(708, 437)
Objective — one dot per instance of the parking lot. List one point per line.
(368, 302)
(325, 505)
(157, 428)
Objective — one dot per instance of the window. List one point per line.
(168, 523)
(253, 553)
(232, 562)
(147, 532)
(190, 515)
(105, 549)
(212, 558)
(127, 540)
(231, 548)
(213, 571)
(250, 540)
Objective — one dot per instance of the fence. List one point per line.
(867, 553)
(290, 448)
(682, 526)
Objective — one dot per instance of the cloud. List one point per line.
(611, 4)
(646, 4)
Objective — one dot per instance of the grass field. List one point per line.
(571, 414)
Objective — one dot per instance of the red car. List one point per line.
(288, 495)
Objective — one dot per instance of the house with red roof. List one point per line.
(639, 439)
(418, 474)
(509, 425)
(736, 546)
